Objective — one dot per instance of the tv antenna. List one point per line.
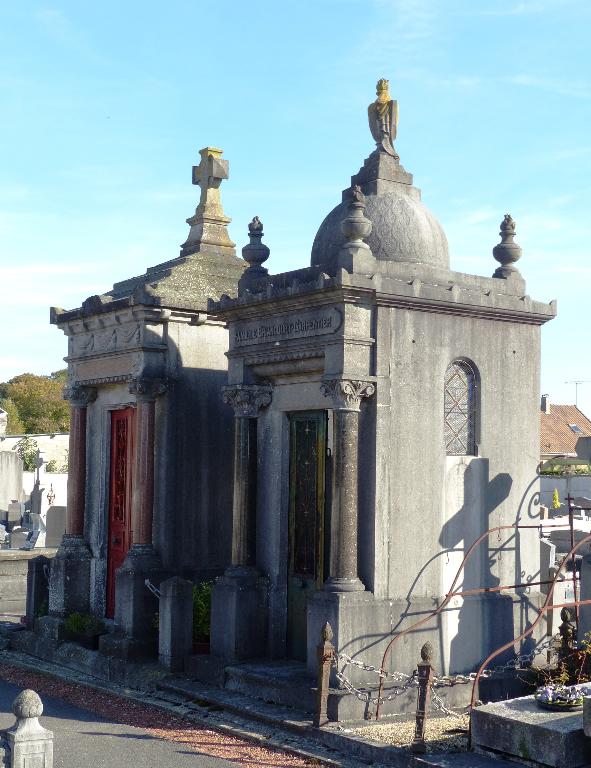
(576, 383)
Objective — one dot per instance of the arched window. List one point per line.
(460, 409)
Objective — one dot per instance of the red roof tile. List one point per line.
(556, 436)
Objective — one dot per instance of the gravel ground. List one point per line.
(443, 734)
(157, 723)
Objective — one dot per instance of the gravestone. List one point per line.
(13, 516)
(520, 730)
(37, 588)
(18, 538)
(55, 524)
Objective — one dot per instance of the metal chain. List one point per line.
(366, 696)
(439, 705)
(409, 681)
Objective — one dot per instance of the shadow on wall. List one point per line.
(482, 623)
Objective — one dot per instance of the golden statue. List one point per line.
(383, 119)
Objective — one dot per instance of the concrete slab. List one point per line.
(519, 729)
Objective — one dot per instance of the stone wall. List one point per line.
(11, 479)
(578, 485)
(52, 447)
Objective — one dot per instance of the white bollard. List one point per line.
(31, 745)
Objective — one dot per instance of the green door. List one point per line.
(306, 521)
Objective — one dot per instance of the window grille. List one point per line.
(460, 409)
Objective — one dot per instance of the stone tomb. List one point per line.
(146, 366)
(386, 415)
(520, 730)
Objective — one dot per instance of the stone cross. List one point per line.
(209, 223)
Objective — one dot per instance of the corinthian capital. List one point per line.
(79, 396)
(346, 394)
(146, 389)
(247, 399)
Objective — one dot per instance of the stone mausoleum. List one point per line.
(386, 415)
(331, 439)
(146, 495)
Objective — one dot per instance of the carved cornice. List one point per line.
(79, 396)
(346, 394)
(147, 389)
(247, 399)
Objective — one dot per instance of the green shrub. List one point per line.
(84, 624)
(202, 611)
(26, 449)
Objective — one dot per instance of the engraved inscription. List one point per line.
(288, 327)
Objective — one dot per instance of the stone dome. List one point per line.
(403, 229)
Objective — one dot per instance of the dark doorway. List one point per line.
(120, 480)
(306, 521)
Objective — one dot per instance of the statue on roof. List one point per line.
(383, 119)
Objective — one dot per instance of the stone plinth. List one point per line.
(31, 745)
(175, 626)
(239, 615)
(520, 730)
(69, 582)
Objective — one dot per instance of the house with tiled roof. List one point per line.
(560, 428)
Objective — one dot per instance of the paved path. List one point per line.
(85, 740)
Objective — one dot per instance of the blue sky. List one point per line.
(104, 107)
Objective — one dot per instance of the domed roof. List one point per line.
(403, 229)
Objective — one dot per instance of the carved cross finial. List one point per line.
(209, 224)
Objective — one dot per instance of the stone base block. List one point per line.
(206, 669)
(69, 582)
(136, 606)
(50, 628)
(520, 730)
(239, 616)
(462, 636)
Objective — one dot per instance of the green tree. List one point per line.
(26, 449)
(38, 401)
(14, 425)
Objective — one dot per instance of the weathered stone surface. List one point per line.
(520, 729)
(30, 743)
(175, 626)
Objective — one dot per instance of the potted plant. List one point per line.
(84, 629)
(201, 616)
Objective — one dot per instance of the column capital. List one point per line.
(78, 395)
(247, 399)
(346, 394)
(147, 389)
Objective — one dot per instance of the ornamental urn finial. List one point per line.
(355, 226)
(256, 252)
(507, 252)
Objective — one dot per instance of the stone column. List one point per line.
(142, 504)
(135, 604)
(70, 573)
(246, 402)
(238, 600)
(346, 396)
(343, 600)
(79, 398)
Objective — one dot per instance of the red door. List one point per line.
(119, 541)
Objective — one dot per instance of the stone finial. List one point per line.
(27, 704)
(383, 119)
(29, 743)
(256, 252)
(326, 633)
(427, 652)
(355, 227)
(355, 256)
(209, 223)
(507, 252)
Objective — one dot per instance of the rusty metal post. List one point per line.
(425, 674)
(325, 651)
(571, 523)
